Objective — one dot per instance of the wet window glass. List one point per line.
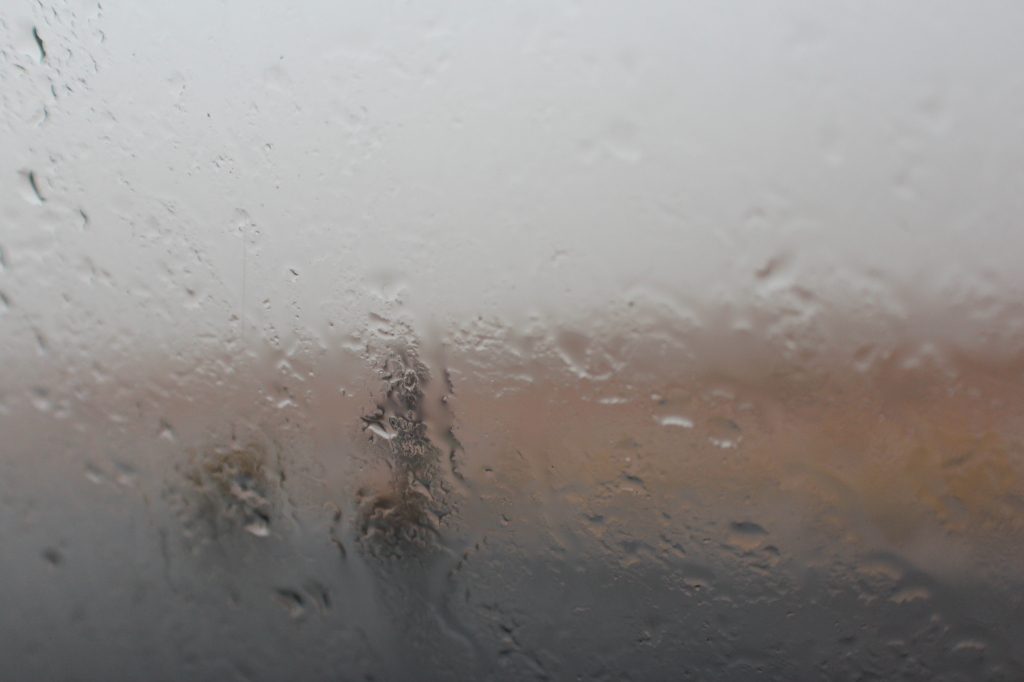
(536, 340)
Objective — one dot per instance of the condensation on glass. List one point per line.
(355, 341)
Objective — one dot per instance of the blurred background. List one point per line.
(416, 341)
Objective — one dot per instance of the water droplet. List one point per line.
(909, 594)
(258, 528)
(746, 535)
(675, 420)
(29, 188)
(974, 645)
(39, 43)
(748, 528)
(53, 556)
(319, 595)
(125, 474)
(292, 602)
(41, 400)
(696, 575)
(724, 433)
(28, 42)
(166, 431)
(94, 475)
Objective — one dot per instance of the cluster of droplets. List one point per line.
(231, 490)
(409, 514)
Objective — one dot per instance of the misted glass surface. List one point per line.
(535, 340)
